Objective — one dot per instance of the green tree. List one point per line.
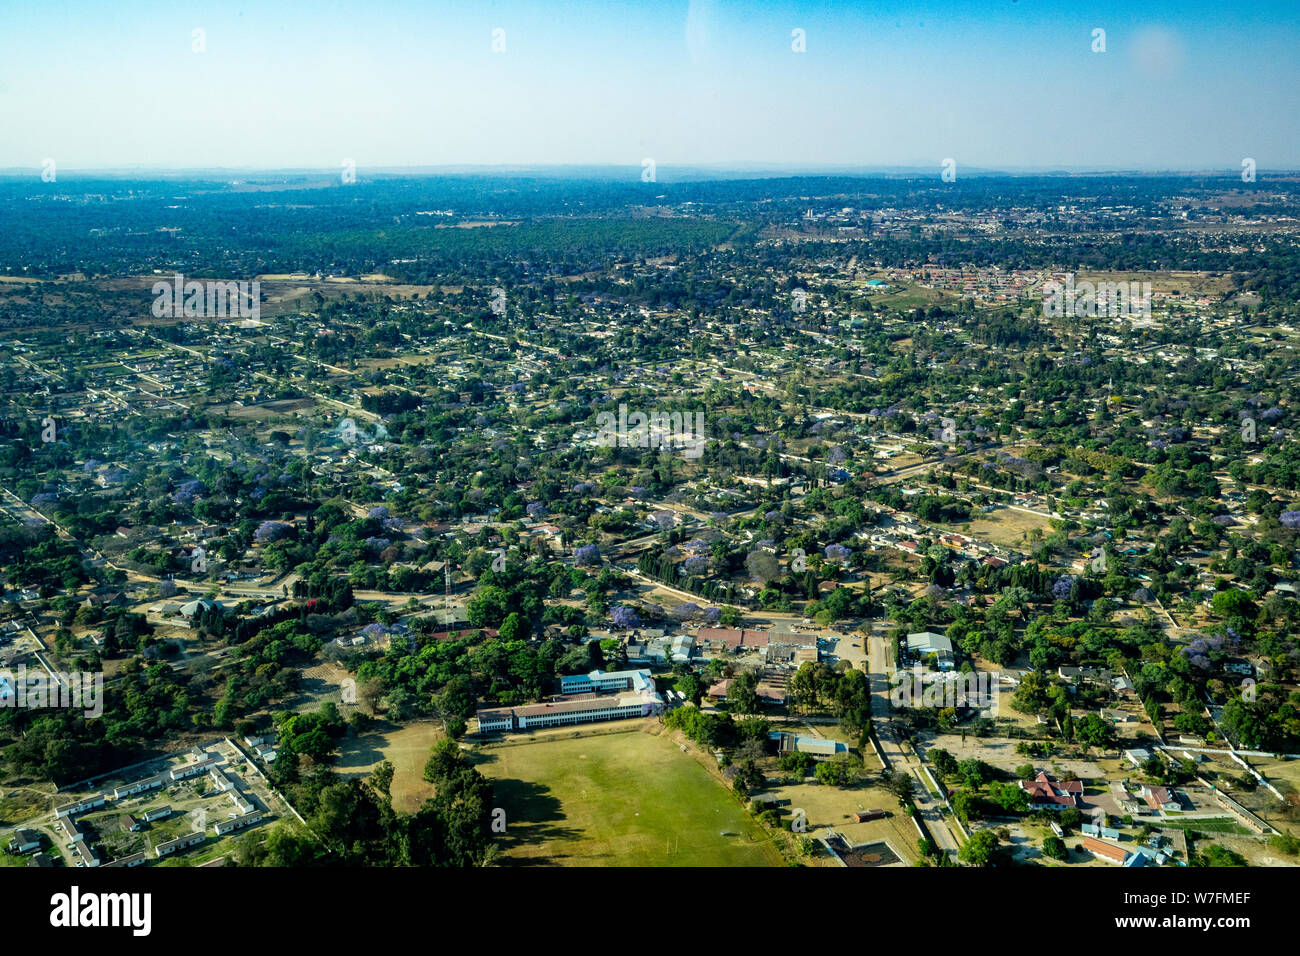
(980, 849)
(1054, 847)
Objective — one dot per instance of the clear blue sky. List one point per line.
(1001, 84)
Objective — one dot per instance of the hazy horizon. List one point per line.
(997, 86)
(665, 171)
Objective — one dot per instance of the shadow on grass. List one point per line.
(533, 817)
(359, 753)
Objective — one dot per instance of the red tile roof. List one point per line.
(723, 635)
(1157, 796)
(1101, 848)
(1043, 789)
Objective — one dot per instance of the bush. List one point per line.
(1054, 847)
(796, 764)
(836, 773)
(1286, 843)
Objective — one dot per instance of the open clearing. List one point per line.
(629, 799)
(1005, 527)
(832, 808)
(406, 748)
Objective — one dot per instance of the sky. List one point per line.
(1001, 84)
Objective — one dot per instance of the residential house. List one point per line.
(930, 644)
(1048, 794)
(1137, 756)
(1161, 798)
(25, 841)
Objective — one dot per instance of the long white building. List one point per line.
(602, 682)
(563, 713)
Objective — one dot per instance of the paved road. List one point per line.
(879, 669)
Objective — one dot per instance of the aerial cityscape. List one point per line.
(819, 506)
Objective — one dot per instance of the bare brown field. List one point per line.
(832, 807)
(269, 410)
(477, 224)
(1166, 282)
(1005, 527)
(319, 684)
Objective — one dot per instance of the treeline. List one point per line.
(665, 570)
(353, 823)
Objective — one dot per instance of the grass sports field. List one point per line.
(630, 799)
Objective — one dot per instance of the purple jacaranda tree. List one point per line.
(269, 531)
(686, 611)
(624, 616)
(586, 554)
(695, 564)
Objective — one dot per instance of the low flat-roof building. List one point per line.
(180, 843)
(80, 806)
(800, 743)
(84, 854)
(140, 786)
(1098, 830)
(194, 769)
(239, 822)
